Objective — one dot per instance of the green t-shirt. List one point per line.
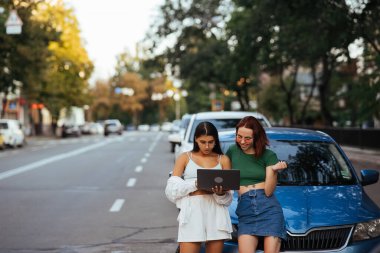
(252, 169)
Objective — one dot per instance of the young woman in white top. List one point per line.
(203, 215)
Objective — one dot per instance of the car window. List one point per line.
(185, 122)
(220, 124)
(3, 126)
(312, 163)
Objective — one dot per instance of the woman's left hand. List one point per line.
(218, 190)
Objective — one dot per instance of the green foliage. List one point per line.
(69, 65)
(47, 58)
(22, 57)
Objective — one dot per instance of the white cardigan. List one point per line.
(177, 191)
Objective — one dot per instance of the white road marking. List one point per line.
(35, 165)
(143, 160)
(117, 205)
(138, 168)
(131, 182)
(147, 154)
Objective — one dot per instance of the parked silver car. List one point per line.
(113, 126)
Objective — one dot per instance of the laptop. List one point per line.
(208, 178)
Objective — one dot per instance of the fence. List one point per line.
(356, 137)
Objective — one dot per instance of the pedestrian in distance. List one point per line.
(203, 214)
(259, 212)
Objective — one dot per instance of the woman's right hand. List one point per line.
(279, 166)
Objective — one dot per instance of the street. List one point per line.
(91, 194)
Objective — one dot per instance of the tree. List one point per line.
(279, 37)
(23, 57)
(132, 100)
(69, 67)
(195, 27)
(101, 104)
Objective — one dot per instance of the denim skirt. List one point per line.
(260, 215)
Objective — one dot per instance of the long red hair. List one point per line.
(260, 139)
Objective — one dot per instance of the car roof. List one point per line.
(283, 133)
(226, 114)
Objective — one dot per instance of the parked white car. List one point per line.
(166, 126)
(223, 120)
(177, 133)
(12, 133)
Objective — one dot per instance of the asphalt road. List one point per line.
(89, 194)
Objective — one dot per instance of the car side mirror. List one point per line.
(369, 177)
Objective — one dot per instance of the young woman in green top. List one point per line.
(258, 211)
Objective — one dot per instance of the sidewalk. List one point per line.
(362, 155)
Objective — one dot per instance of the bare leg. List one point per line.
(190, 247)
(272, 244)
(214, 246)
(247, 243)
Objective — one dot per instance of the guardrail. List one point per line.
(356, 137)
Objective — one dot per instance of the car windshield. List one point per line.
(3, 126)
(310, 163)
(220, 124)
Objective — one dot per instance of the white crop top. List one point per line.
(191, 168)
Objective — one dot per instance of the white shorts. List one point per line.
(205, 221)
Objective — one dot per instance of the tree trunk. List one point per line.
(289, 93)
(307, 102)
(324, 92)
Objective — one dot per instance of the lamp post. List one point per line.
(177, 98)
(176, 94)
(13, 23)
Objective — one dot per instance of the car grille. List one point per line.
(327, 238)
(319, 239)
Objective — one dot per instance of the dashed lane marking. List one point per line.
(117, 205)
(138, 169)
(131, 182)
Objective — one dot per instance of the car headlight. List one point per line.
(367, 230)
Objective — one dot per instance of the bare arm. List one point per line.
(180, 164)
(271, 177)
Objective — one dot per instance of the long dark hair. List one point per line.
(260, 139)
(208, 129)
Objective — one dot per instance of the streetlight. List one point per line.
(178, 94)
(177, 98)
(175, 94)
(13, 23)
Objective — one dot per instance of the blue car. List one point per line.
(325, 206)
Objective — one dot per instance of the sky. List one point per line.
(109, 27)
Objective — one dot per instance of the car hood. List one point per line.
(307, 207)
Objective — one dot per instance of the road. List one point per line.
(89, 194)
(92, 194)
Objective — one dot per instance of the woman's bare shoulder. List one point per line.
(226, 162)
